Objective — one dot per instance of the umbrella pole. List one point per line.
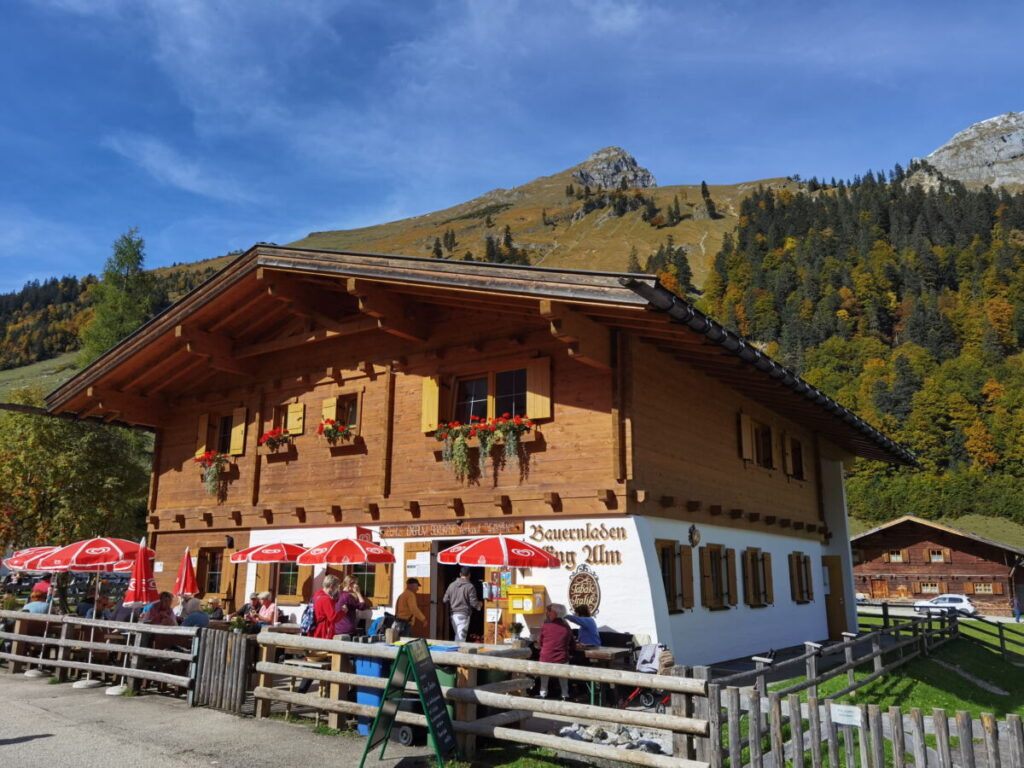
(88, 682)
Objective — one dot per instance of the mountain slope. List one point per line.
(990, 152)
(553, 228)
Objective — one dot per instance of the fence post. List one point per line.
(142, 640)
(877, 738)
(812, 666)
(832, 737)
(62, 672)
(756, 729)
(682, 706)
(814, 731)
(267, 655)
(885, 615)
(876, 648)
(340, 662)
(775, 726)
(465, 677)
(896, 734)
(1015, 733)
(917, 737)
(848, 638)
(700, 710)
(965, 730)
(940, 723)
(733, 714)
(991, 728)
(1002, 640)
(714, 757)
(14, 666)
(796, 727)
(193, 667)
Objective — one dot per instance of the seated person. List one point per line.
(36, 602)
(196, 619)
(85, 606)
(216, 612)
(267, 612)
(101, 610)
(250, 610)
(187, 605)
(160, 612)
(588, 634)
(126, 613)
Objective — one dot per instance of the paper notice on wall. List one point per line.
(412, 569)
(845, 714)
(493, 615)
(158, 567)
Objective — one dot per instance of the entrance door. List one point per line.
(412, 549)
(835, 600)
(446, 575)
(879, 589)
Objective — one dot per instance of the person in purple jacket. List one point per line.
(350, 601)
(556, 646)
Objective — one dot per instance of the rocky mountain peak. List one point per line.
(990, 152)
(606, 168)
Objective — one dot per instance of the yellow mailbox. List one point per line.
(525, 599)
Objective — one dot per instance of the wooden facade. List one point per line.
(910, 559)
(637, 415)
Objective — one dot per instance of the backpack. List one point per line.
(308, 622)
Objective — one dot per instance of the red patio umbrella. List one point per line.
(91, 555)
(185, 583)
(27, 559)
(498, 551)
(345, 552)
(268, 553)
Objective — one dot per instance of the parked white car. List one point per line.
(862, 598)
(941, 604)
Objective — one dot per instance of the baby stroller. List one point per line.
(651, 659)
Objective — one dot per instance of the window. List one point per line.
(342, 409)
(758, 590)
(930, 587)
(224, 435)
(939, 556)
(290, 416)
(491, 395)
(896, 556)
(983, 588)
(796, 459)
(287, 580)
(763, 446)
(524, 390)
(210, 570)
(666, 550)
(801, 585)
(717, 577)
(366, 576)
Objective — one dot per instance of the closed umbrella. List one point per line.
(141, 591)
(498, 551)
(185, 583)
(345, 552)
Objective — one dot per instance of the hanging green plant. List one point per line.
(213, 465)
(454, 437)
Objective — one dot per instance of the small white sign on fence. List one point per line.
(845, 714)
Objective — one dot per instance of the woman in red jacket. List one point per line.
(556, 645)
(324, 611)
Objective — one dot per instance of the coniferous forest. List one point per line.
(905, 302)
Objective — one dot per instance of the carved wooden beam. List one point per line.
(302, 300)
(214, 347)
(607, 497)
(553, 500)
(413, 508)
(126, 407)
(588, 341)
(346, 328)
(504, 503)
(391, 313)
(693, 506)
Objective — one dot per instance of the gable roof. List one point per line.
(228, 323)
(938, 526)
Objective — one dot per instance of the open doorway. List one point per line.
(446, 575)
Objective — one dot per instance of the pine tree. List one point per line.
(438, 253)
(634, 261)
(491, 250)
(569, 191)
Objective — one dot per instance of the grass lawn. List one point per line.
(47, 374)
(925, 684)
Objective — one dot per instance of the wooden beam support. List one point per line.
(667, 501)
(133, 409)
(455, 504)
(208, 519)
(553, 500)
(347, 328)
(214, 347)
(154, 521)
(268, 516)
(588, 341)
(180, 520)
(606, 496)
(770, 519)
(504, 503)
(715, 510)
(302, 300)
(372, 509)
(336, 513)
(392, 315)
(413, 508)
(735, 514)
(693, 506)
(753, 517)
(300, 514)
(236, 516)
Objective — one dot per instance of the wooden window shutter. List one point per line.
(885, 556)
(730, 569)
(382, 583)
(746, 438)
(905, 554)
(227, 575)
(968, 588)
(238, 425)
(296, 418)
(705, 578)
(917, 587)
(997, 587)
(202, 433)
(769, 584)
(430, 413)
(538, 388)
(794, 577)
(947, 556)
(943, 587)
(787, 455)
(808, 579)
(305, 590)
(263, 574)
(686, 575)
(749, 563)
(329, 409)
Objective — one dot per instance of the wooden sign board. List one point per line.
(467, 528)
(414, 662)
(845, 714)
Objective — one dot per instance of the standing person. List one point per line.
(1016, 608)
(462, 601)
(588, 634)
(350, 601)
(556, 646)
(325, 615)
(407, 610)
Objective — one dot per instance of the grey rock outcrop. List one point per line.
(606, 168)
(990, 152)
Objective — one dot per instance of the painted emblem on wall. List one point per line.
(584, 589)
(694, 535)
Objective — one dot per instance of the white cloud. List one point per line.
(36, 248)
(167, 166)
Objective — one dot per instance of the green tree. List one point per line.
(438, 253)
(122, 301)
(63, 480)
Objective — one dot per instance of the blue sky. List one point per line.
(211, 124)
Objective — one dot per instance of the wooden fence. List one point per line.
(993, 635)
(225, 665)
(467, 695)
(65, 644)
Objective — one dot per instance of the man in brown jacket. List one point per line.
(407, 611)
